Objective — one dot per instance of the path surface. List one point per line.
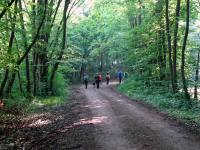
(122, 124)
(98, 119)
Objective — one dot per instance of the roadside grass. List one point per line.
(161, 98)
(18, 106)
(16, 109)
(47, 102)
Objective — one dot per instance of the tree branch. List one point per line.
(5, 9)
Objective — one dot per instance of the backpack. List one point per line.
(107, 76)
(85, 78)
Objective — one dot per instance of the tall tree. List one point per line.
(177, 15)
(11, 41)
(187, 95)
(20, 60)
(197, 76)
(24, 37)
(55, 66)
(169, 43)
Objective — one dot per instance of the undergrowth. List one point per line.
(161, 98)
(19, 105)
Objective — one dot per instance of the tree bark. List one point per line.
(5, 9)
(140, 12)
(169, 43)
(197, 77)
(164, 49)
(34, 68)
(12, 36)
(20, 60)
(20, 84)
(187, 95)
(24, 37)
(44, 37)
(177, 15)
(55, 67)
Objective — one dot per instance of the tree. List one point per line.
(187, 95)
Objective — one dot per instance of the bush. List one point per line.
(161, 98)
(61, 85)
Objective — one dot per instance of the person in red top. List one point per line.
(1, 104)
(97, 80)
(107, 78)
(100, 78)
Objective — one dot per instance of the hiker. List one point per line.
(1, 104)
(85, 78)
(107, 78)
(100, 78)
(97, 79)
(120, 76)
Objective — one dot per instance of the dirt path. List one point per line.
(121, 124)
(97, 119)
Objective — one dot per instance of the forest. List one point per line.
(46, 46)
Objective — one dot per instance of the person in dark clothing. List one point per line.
(107, 78)
(85, 79)
(97, 79)
(120, 76)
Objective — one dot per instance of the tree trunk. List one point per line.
(140, 12)
(183, 51)
(10, 83)
(81, 72)
(5, 9)
(34, 68)
(35, 58)
(3, 83)
(24, 37)
(177, 15)
(20, 60)
(12, 36)
(197, 77)
(44, 37)
(160, 56)
(20, 84)
(55, 67)
(164, 49)
(169, 43)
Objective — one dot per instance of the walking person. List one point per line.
(100, 78)
(107, 78)
(85, 79)
(120, 76)
(97, 79)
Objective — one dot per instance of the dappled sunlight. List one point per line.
(191, 91)
(40, 122)
(92, 106)
(86, 121)
(94, 120)
(119, 100)
(34, 116)
(114, 83)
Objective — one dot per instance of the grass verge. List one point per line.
(162, 99)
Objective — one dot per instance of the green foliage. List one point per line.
(162, 99)
(61, 86)
(47, 102)
(16, 105)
